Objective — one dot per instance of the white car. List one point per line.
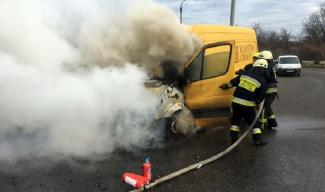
(288, 65)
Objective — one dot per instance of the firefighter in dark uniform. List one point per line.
(249, 66)
(250, 91)
(267, 116)
(271, 92)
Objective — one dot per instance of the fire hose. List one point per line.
(204, 162)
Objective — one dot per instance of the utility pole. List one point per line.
(181, 11)
(232, 12)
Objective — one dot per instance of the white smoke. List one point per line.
(147, 35)
(185, 122)
(78, 114)
(51, 104)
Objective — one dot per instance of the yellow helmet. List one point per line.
(266, 55)
(260, 63)
(256, 55)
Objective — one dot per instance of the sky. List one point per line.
(270, 13)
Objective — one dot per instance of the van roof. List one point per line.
(223, 33)
(219, 28)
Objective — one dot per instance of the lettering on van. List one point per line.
(244, 53)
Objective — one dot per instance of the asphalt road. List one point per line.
(293, 160)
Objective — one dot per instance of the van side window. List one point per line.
(216, 61)
(195, 67)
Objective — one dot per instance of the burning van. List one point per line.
(225, 50)
(173, 115)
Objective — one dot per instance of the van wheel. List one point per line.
(170, 128)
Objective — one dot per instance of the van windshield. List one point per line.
(288, 60)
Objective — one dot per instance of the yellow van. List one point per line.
(226, 49)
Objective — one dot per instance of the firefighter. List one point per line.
(249, 66)
(250, 91)
(267, 116)
(271, 92)
(262, 119)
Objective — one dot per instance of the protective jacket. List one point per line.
(250, 88)
(270, 77)
(272, 81)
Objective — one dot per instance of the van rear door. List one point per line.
(206, 71)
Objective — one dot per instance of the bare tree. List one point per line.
(272, 40)
(285, 36)
(309, 44)
(314, 26)
(260, 35)
(267, 39)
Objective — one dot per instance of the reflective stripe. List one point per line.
(249, 83)
(262, 120)
(257, 131)
(271, 90)
(271, 117)
(234, 128)
(274, 72)
(243, 102)
(251, 80)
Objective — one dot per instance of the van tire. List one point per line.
(170, 129)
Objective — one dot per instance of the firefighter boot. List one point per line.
(258, 138)
(262, 120)
(234, 136)
(234, 132)
(271, 123)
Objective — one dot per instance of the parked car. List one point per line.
(288, 65)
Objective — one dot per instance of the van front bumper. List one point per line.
(283, 71)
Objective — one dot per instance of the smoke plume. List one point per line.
(72, 73)
(147, 35)
(185, 122)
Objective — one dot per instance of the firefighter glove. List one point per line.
(240, 71)
(224, 86)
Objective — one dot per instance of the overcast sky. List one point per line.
(270, 13)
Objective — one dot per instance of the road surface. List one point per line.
(293, 160)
